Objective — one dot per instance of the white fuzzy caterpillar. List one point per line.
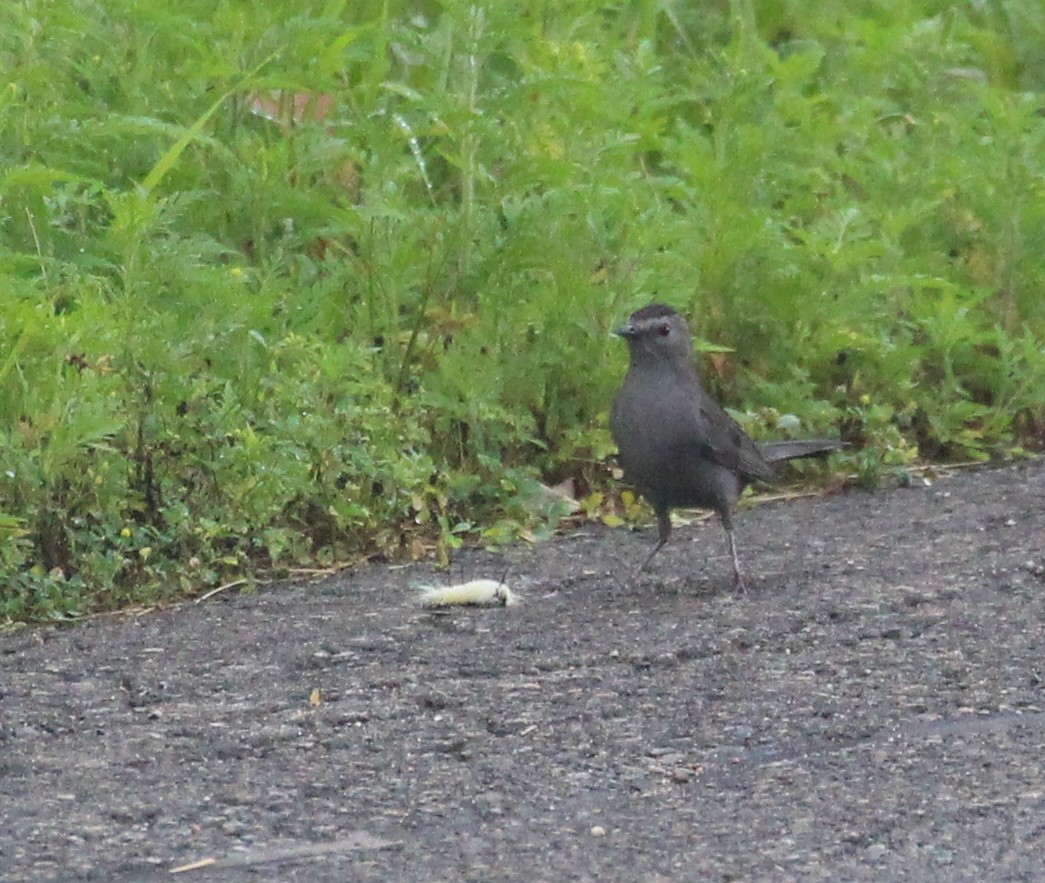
(475, 593)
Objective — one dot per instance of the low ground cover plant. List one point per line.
(284, 287)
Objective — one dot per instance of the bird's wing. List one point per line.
(726, 443)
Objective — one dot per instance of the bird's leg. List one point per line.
(663, 531)
(738, 579)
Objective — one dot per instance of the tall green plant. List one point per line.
(291, 284)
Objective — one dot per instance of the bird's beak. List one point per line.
(625, 331)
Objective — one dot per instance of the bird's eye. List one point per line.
(664, 330)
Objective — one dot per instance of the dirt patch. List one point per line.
(872, 709)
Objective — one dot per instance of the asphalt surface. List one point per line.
(873, 709)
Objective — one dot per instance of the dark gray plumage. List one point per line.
(677, 446)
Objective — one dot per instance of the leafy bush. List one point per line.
(284, 286)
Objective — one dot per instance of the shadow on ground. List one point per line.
(872, 710)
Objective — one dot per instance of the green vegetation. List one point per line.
(285, 283)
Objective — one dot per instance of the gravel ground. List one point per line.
(873, 709)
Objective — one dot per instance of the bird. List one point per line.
(676, 445)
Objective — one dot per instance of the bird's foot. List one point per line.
(739, 587)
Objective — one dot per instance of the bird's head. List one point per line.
(657, 334)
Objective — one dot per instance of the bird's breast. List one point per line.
(663, 449)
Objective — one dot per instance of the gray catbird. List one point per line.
(677, 446)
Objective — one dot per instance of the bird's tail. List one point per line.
(774, 452)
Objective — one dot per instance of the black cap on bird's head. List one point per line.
(640, 318)
(653, 311)
(656, 332)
